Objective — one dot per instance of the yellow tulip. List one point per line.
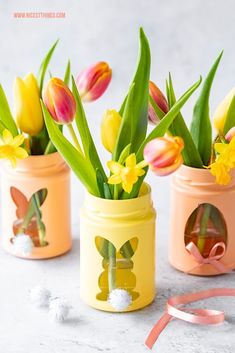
(110, 125)
(221, 112)
(28, 113)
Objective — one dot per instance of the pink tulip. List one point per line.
(60, 101)
(93, 81)
(163, 154)
(159, 99)
(230, 134)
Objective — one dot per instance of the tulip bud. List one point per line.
(28, 113)
(221, 112)
(163, 154)
(59, 101)
(159, 99)
(230, 134)
(93, 81)
(110, 125)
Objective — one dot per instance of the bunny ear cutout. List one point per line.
(129, 248)
(104, 246)
(40, 196)
(20, 201)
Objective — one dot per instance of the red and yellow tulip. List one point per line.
(159, 99)
(60, 101)
(163, 154)
(93, 81)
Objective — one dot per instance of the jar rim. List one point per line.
(108, 206)
(200, 176)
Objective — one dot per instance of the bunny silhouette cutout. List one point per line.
(124, 277)
(29, 215)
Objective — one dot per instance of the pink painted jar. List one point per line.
(35, 207)
(202, 223)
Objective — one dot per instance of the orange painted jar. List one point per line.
(202, 219)
(35, 212)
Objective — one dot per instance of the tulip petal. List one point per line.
(170, 169)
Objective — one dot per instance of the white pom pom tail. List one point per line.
(23, 244)
(119, 299)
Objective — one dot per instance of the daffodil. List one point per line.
(221, 173)
(225, 161)
(10, 147)
(126, 175)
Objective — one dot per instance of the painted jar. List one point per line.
(35, 211)
(202, 223)
(118, 252)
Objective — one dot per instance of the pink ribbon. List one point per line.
(195, 316)
(212, 259)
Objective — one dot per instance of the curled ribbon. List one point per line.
(212, 259)
(195, 316)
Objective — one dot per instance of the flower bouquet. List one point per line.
(117, 222)
(203, 190)
(34, 225)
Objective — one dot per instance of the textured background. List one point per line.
(185, 37)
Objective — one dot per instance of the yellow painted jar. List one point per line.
(35, 212)
(117, 271)
(202, 223)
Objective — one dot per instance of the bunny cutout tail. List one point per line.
(119, 299)
(59, 309)
(23, 244)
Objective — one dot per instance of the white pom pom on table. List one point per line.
(40, 296)
(59, 309)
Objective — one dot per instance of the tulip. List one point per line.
(28, 113)
(230, 134)
(110, 125)
(221, 112)
(59, 101)
(159, 99)
(163, 154)
(93, 81)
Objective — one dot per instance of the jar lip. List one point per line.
(200, 176)
(36, 162)
(98, 202)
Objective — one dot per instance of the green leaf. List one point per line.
(107, 192)
(201, 130)
(158, 131)
(67, 74)
(190, 153)
(165, 123)
(44, 66)
(126, 134)
(230, 119)
(6, 117)
(140, 97)
(125, 153)
(74, 159)
(84, 132)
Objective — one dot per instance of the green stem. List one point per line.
(115, 192)
(27, 219)
(74, 137)
(203, 228)
(48, 147)
(112, 267)
(41, 226)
